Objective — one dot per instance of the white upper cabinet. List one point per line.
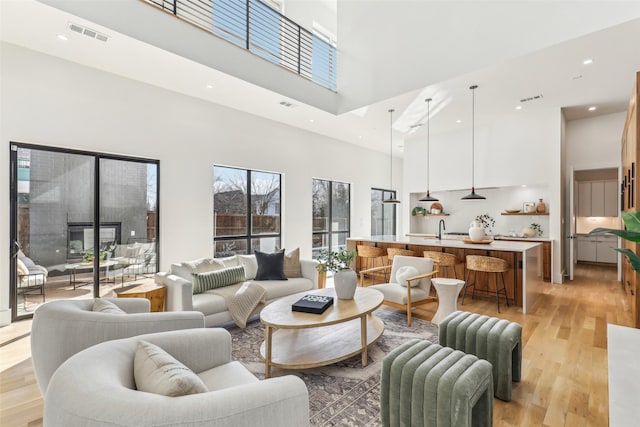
(611, 198)
(584, 199)
(597, 198)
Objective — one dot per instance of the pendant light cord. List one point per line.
(473, 132)
(428, 156)
(391, 148)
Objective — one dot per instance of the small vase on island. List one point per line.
(476, 231)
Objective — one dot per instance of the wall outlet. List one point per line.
(133, 233)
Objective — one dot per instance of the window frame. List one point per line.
(249, 236)
(382, 217)
(329, 232)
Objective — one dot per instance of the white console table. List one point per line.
(623, 350)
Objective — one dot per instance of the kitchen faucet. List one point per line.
(441, 223)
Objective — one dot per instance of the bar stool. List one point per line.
(391, 252)
(489, 265)
(370, 256)
(443, 260)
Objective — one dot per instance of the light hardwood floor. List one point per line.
(564, 378)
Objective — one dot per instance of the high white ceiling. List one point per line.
(414, 50)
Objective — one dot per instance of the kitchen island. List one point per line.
(523, 279)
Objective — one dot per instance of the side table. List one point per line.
(448, 290)
(151, 291)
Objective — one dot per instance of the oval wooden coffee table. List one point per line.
(295, 340)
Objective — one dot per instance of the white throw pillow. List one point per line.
(230, 261)
(104, 306)
(405, 273)
(203, 265)
(156, 371)
(250, 265)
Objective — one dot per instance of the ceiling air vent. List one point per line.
(88, 32)
(531, 98)
(286, 104)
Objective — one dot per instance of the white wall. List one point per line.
(513, 150)
(49, 101)
(307, 12)
(595, 143)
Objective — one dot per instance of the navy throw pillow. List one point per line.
(270, 266)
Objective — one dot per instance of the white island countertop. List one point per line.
(496, 245)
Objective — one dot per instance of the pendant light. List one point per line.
(428, 197)
(473, 195)
(391, 199)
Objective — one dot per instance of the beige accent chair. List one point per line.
(62, 328)
(96, 387)
(405, 297)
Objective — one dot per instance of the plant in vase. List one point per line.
(537, 228)
(486, 222)
(418, 210)
(345, 279)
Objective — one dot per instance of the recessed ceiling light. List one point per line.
(63, 37)
(518, 107)
(359, 136)
(209, 86)
(588, 61)
(311, 120)
(524, 185)
(592, 108)
(458, 121)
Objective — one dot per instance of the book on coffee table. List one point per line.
(316, 304)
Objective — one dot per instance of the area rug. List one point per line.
(345, 393)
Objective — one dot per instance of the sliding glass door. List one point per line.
(65, 248)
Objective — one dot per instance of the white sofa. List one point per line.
(96, 387)
(62, 328)
(179, 286)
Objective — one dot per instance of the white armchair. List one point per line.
(417, 289)
(60, 329)
(96, 387)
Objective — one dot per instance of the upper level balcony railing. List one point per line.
(263, 31)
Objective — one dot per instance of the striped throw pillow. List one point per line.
(217, 279)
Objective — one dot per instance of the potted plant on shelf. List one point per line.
(418, 210)
(345, 279)
(632, 233)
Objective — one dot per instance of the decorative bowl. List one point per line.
(512, 210)
(436, 211)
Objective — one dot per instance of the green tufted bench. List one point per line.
(425, 384)
(495, 340)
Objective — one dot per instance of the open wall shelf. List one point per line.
(524, 213)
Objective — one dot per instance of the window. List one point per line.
(238, 229)
(383, 216)
(331, 208)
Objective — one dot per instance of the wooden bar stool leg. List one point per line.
(495, 280)
(467, 284)
(504, 287)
